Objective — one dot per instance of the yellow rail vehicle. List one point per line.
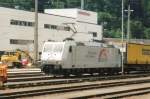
(138, 56)
(15, 59)
(11, 58)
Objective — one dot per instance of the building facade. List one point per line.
(17, 27)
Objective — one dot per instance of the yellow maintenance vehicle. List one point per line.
(17, 59)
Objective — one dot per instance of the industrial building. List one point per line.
(17, 27)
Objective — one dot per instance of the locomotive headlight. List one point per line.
(43, 62)
(57, 67)
(58, 62)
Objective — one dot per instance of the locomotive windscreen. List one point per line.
(53, 48)
(48, 47)
(58, 48)
(52, 51)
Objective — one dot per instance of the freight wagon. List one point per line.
(76, 58)
(137, 57)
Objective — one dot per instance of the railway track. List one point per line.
(21, 75)
(14, 73)
(23, 70)
(28, 81)
(27, 84)
(117, 93)
(25, 75)
(78, 87)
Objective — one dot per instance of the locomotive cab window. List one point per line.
(48, 47)
(58, 48)
(70, 49)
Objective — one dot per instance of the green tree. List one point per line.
(147, 33)
(137, 29)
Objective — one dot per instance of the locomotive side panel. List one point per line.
(94, 57)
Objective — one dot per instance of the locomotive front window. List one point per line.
(48, 47)
(58, 48)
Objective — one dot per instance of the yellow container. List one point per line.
(138, 53)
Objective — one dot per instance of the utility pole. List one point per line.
(36, 33)
(82, 4)
(128, 22)
(122, 32)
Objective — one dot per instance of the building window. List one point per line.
(47, 26)
(30, 24)
(53, 27)
(13, 22)
(21, 42)
(94, 34)
(56, 27)
(21, 23)
(67, 28)
(60, 27)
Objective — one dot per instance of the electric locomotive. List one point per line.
(70, 57)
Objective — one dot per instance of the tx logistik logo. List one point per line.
(103, 55)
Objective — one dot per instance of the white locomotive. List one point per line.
(69, 57)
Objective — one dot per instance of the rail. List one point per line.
(78, 87)
(20, 82)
